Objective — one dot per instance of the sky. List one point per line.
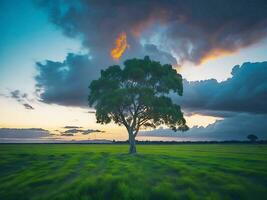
(51, 50)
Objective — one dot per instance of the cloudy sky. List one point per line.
(50, 51)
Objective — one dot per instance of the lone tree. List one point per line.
(137, 97)
(252, 137)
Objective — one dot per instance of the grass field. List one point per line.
(73, 171)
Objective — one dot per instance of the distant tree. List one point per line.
(252, 137)
(137, 97)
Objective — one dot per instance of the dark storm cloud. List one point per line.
(245, 91)
(192, 30)
(22, 98)
(183, 30)
(66, 83)
(33, 133)
(236, 127)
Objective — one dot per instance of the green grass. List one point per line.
(72, 171)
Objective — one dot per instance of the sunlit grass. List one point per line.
(72, 171)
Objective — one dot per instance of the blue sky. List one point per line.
(34, 32)
(27, 37)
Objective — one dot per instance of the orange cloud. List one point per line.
(214, 54)
(121, 46)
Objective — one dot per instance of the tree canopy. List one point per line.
(252, 137)
(137, 96)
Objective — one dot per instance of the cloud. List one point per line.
(28, 106)
(245, 91)
(191, 30)
(67, 134)
(71, 130)
(70, 127)
(236, 127)
(26, 133)
(22, 98)
(240, 100)
(88, 131)
(156, 54)
(39, 135)
(16, 94)
(66, 83)
(168, 31)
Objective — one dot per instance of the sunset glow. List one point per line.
(217, 57)
(214, 54)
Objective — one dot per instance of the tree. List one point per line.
(137, 97)
(252, 137)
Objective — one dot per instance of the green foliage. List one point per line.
(252, 137)
(79, 172)
(137, 96)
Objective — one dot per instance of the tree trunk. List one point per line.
(132, 149)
